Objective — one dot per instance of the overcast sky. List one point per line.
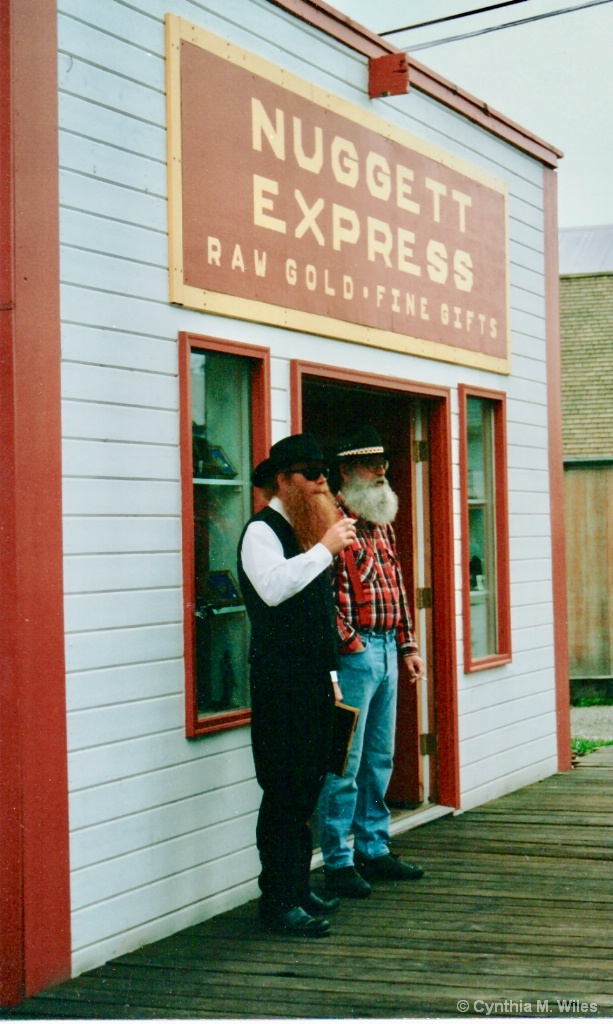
(554, 77)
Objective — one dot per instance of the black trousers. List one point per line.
(291, 732)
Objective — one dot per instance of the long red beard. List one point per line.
(310, 516)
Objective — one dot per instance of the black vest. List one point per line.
(301, 632)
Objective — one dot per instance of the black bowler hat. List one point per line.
(283, 455)
(361, 445)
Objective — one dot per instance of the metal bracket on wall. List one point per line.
(423, 597)
(427, 743)
(420, 451)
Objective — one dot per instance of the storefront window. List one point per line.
(486, 598)
(481, 527)
(221, 446)
(219, 393)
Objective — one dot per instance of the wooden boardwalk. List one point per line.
(512, 919)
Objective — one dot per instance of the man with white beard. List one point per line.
(374, 624)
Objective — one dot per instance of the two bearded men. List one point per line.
(313, 644)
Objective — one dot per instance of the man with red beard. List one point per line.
(374, 625)
(284, 557)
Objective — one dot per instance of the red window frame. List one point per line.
(503, 654)
(196, 725)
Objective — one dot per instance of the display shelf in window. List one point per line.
(222, 432)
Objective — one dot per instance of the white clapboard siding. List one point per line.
(121, 497)
(105, 687)
(101, 648)
(112, 51)
(529, 569)
(106, 459)
(529, 755)
(162, 828)
(110, 238)
(516, 711)
(84, 344)
(530, 480)
(114, 128)
(156, 861)
(181, 890)
(540, 761)
(113, 724)
(79, 77)
(111, 422)
(122, 205)
(107, 929)
(85, 612)
(526, 501)
(538, 614)
(114, 534)
(81, 268)
(99, 160)
(523, 548)
(119, 386)
(533, 392)
(503, 740)
(522, 254)
(110, 839)
(527, 369)
(122, 799)
(142, 934)
(90, 573)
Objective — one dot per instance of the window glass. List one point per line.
(221, 456)
(482, 526)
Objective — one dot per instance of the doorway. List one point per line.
(413, 423)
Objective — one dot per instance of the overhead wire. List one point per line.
(508, 24)
(453, 17)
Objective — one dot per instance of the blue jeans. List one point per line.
(356, 802)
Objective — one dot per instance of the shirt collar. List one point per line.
(277, 505)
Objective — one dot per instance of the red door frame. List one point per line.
(556, 469)
(442, 541)
(35, 944)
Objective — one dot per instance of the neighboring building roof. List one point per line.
(586, 250)
(586, 332)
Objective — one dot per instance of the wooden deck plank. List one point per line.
(514, 911)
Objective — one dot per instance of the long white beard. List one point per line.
(375, 502)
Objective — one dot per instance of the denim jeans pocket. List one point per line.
(356, 654)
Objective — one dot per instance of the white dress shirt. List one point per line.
(274, 577)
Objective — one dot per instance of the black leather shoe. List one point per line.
(315, 906)
(296, 922)
(388, 868)
(346, 882)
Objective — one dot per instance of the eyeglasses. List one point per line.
(311, 473)
(374, 464)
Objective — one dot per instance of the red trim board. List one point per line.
(556, 469)
(35, 946)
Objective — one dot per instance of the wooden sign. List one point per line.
(290, 206)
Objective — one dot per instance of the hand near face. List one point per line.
(339, 536)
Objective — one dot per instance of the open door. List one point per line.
(330, 406)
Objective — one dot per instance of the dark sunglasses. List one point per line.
(312, 473)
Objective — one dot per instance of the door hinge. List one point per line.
(427, 743)
(423, 597)
(421, 451)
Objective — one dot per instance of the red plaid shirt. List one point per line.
(382, 584)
